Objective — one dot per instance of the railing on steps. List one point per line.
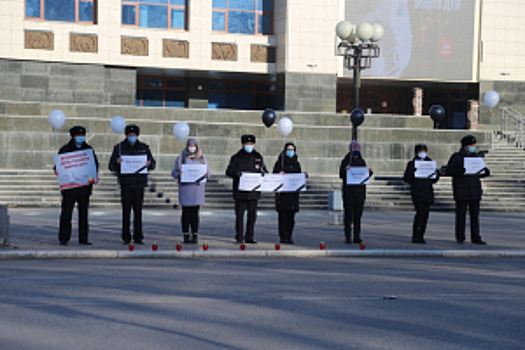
(512, 127)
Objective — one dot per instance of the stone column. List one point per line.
(473, 114)
(417, 101)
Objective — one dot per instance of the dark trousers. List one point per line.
(240, 207)
(132, 198)
(420, 220)
(353, 204)
(461, 214)
(68, 203)
(190, 217)
(286, 224)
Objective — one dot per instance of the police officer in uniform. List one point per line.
(78, 195)
(250, 161)
(131, 185)
(467, 190)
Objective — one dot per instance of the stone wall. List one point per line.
(66, 83)
(27, 140)
(307, 92)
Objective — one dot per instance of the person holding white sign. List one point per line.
(467, 190)
(191, 188)
(421, 190)
(132, 183)
(246, 160)
(354, 193)
(287, 203)
(74, 195)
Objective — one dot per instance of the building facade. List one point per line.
(241, 54)
(257, 54)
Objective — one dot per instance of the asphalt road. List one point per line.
(333, 303)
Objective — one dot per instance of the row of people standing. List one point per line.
(467, 190)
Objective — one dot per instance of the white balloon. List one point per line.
(118, 124)
(285, 126)
(181, 130)
(57, 118)
(491, 99)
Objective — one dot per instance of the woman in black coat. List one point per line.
(422, 192)
(353, 195)
(287, 203)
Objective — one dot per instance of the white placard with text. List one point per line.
(358, 175)
(134, 164)
(191, 173)
(425, 169)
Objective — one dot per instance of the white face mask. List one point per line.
(192, 149)
(422, 155)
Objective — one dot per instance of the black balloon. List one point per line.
(269, 117)
(357, 117)
(437, 113)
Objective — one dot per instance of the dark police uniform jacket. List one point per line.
(126, 149)
(421, 190)
(465, 187)
(71, 146)
(241, 162)
(287, 201)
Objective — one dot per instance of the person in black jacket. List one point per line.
(287, 203)
(78, 195)
(422, 193)
(353, 195)
(467, 190)
(250, 161)
(131, 185)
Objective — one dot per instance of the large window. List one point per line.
(243, 16)
(241, 95)
(161, 92)
(62, 10)
(165, 14)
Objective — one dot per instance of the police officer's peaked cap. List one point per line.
(420, 148)
(132, 129)
(248, 138)
(77, 130)
(468, 140)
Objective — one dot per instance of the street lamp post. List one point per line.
(358, 45)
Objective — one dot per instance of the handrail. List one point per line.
(512, 127)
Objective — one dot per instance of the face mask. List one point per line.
(472, 149)
(290, 153)
(192, 149)
(422, 155)
(356, 153)
(132, 139)
(80, 139)
(248, 148)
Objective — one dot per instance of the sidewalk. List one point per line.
(34, 235)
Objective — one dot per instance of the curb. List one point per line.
(229, 254)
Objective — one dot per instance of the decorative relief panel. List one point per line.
(83, 43)
(224, 52)
(175, 48)
(39, 40)
(262, 54)
(134, 46)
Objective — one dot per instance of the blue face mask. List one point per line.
(290, 153)
(472, 149)
(248, 148)
(356, 153)
(80, 139)
(132, 139)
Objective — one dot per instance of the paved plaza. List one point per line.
(36, 229)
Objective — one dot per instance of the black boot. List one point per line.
(195, 239)
(187, 239)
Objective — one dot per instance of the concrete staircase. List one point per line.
(27, 146)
